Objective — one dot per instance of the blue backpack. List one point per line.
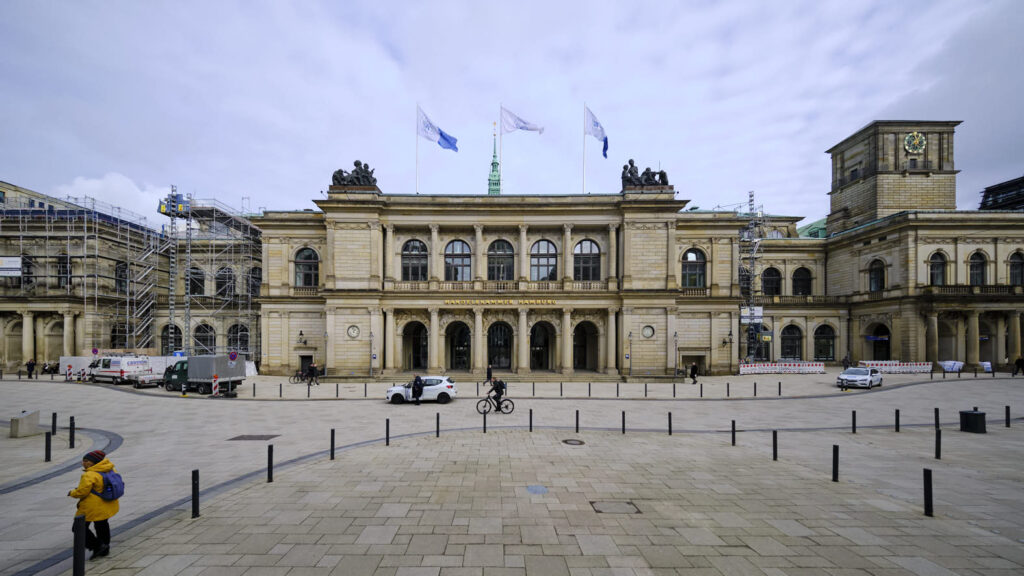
(113, 486)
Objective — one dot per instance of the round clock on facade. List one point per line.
(648, 331)
(353, 331)
(914, 142)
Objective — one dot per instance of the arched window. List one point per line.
(876, 276)
(977, 269)
(792, 343)
(587, 261)
(238, 338)
(307, 268)
(771, 282)
(1017, 269)
(63, 270)
(458, 262)
(204, 339)
(225, 282)
(543, 261)
(694, 269)
(824, 343)
(937, 269)
(500, 261)
(414, 261)
(255, 279)
(170, 340)
(195, 282)
(121, 279)
(802, 282)
(744, 279)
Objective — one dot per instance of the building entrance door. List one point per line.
(459, 347)
(415, 346)
(540, 346)
(880, 349)
(499, 346)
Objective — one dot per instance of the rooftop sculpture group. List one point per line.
(631, 178)
(361, 175)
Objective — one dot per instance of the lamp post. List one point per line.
(675, 351)
(326, 353)
(371, 353)
(630, 353)
(728, 341)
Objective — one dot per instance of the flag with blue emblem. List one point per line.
(510, 123)
(595, 129)
(427, 129)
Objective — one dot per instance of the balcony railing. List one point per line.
(798, 300)
(501, 286)
(411, 286)
(544, 286)
(701, 292)
(455, 286)
(304, 290)
(585, 285)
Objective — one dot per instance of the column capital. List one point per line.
(27, 313)
(433, 311)
(567, 310)
(613, 227)
(478, 228)
(523, 228)
(523, 311)
(388, 311)
(390, 228)
(434, 228)
(374, 226)
(613, 309)
(567, 227)
(478, 311)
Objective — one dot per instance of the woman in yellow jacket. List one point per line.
(96, 509)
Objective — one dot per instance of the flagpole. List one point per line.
(417, 134)
(501, 138)
(584, 148)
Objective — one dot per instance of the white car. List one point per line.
(440, 388)
(859, 378)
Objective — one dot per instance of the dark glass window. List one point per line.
(587, 261)
(792, 343)
(771, 282)
(121, 279)
(543, 261)
(876, 276)
(414, 261)
(238, 338)
(499, 346)
(119, 336)
(824, 343)
(1017, 269)
(195, 282)
(802, 282)
(500, 261)
(977, 269)
(458, 262)
(225, 282)
(307, 268)
(170, 340)
(745, 279)
(937, 270)
(204, 340)
(694, 269)
(63, 270)
(255, 279)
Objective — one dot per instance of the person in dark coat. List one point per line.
(1018, 365)
(693, 373)
(846, 361)
(31, 367)
(490, 373)
(417, 389)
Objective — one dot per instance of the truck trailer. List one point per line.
(201, 373)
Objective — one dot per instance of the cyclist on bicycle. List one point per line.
(498, 387)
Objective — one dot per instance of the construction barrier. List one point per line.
(952, 365)
(896, 367)
(783, 368)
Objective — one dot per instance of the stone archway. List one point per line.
(879, 347)
(585, 346)
(947, 341)
(499, 346)
(542, 346)
(414, 346)
(458, 346)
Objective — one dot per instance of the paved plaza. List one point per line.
(512, 501)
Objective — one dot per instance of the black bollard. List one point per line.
(195, 493)
(927, 492)
(53, 424)
(645, 389)
(931, 375)
(364, 390)
(477, 388)
(531, 419)
(975, 372)
(623, 421)
(270, 463)
(437, 425)
(943, 373)
(993, 372)
(307, 389)
(936, 418)
(78, 551)
(854, 422)
(588, 389)
(726, 389)
(959, 373)
(835, 463)
(975, 408)
(577, 421)
(560, 388)
(19, 374)
(897, 419)
(71, 433)
(253, 389)
(673, 389)
(701, 389)
(755, 389)
(780, 387)
(46, 453)
(669, 423)
(280, 394)
(485, 422)
(616, 389)
(387, 431)
(534, 393)
(733, 432)
(1007, 416)
(332, 443)
(775, 445)
(938, 444)
(336, 390)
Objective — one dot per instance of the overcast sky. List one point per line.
(264, 100)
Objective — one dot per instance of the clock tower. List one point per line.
(891, 166)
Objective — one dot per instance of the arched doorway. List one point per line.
(947, 342)
(53, 342)
(987, 343)
(584, 346)
(458, 346)
(879, 338)
(499, 346)
(170, 340)
(542, 351)
(792, 343)
(414, 346)
(12, 334)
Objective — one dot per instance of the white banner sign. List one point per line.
(751, 313)
(783, 368)
(10, 266)
(896, 367)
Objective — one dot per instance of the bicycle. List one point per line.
(297, 378)
(487, 404)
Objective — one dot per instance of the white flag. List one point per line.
(595, 129)
(510, 123)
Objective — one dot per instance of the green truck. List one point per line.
(204, 373)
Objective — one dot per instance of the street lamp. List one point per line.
(326, 353)
(630, 353)
(371, 353)
(727, 341)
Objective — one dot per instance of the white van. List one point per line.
(118, 369)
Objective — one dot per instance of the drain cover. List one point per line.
(573, 442)
(254, 437)
(614, 507)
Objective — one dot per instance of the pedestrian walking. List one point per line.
(314, 374)
(31, 367)
(693, 373)
(417, 389)
(96, 509)
(1018, 365)
(846, 361)
(490, 373)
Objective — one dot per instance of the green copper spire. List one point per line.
(494, 180)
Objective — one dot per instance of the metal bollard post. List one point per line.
(485, 422)
(336, 390)
(560, 388)
(477, 388)
(928, 511)
(616, 389)
(645, 389)
(959, 373)
(897, 419)
(588, 389)
(669, 423)
(195, 493)
(78, 550)
(975, 372)
(531, 419)
(727, 389)
(280, 394)
(1007, 416)
(437, 425)
(623, 421)
(701, 389)
(387, 431)
(673, 389)
(364, 389)
(534, 393)
(332, 443)
(253, 389)
(943, 373)
(931, 375)
(938, 444)
(270, 463)
(775, 445)
(780, 387)
(755, 389)
(71, 433)
(577, 421)
(854, 421)
(993, 372)
(46, 453)
(936, 418)
(733, 432)
(835, 463)
(53, 424)
(307, 389)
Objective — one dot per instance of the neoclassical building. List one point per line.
(631, 285)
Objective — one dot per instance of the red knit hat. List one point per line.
(96, 456)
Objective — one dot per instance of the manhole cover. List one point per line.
(613, 507)
(573, 442)
(534, 489)
(254, 437)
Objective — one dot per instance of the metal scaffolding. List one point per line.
(757, 229)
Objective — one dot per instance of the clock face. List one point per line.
(648, 331)
(353, 331)
(914, 142)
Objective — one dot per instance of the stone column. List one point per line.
(479, 361)
(612, 334)
(523, 344)
(524, 254)
(389, 254)
(329, 257)
(567, 341)
(436, 272)
(434, 335)
(376, 274)
(567, 253)
(69, 335)
(1013, 346)
(481, 261)
(375, 340)
(28, 337)
(670, 342)
(389, 336)
(330, 341)
(613, 260)
(1000, 342)
(972, 339)
(670, 256)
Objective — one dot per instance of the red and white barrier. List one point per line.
(896, 367)
(783, 368)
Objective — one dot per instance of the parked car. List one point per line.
(440, 388)
(859, 378)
